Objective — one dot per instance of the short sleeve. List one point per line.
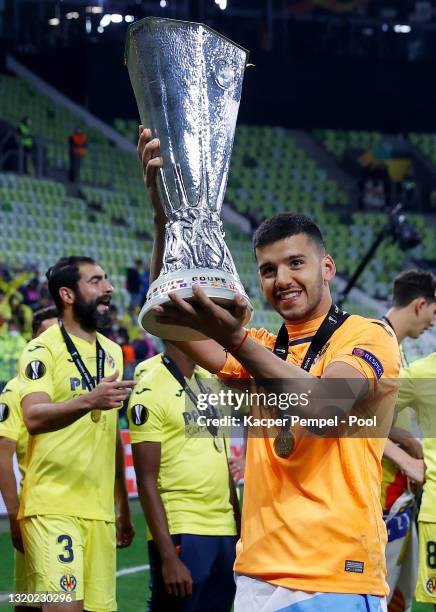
(36, 370)
(371, 348)
(146, 417)
(10, 412)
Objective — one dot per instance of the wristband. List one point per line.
(235, 349)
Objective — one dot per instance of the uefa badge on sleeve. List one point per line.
(139, 414)
(4, 412)
(35, 370)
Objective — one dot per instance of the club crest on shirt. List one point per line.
(68, 583)
(35, 370)
(110, 362)
(4, 412)
(139, 414)
(430, 586)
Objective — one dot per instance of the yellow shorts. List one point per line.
(67, 554)
(426, 587)
(20, 573)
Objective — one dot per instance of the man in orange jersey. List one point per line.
(313, 536)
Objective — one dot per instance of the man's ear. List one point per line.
(418, 304)
(67, 295)
(329, 268)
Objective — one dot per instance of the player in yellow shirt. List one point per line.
(70, 388)
(13, 440)
(143, 367)
(188, 497)
(313, 537)
(418, 391)
(412, 312)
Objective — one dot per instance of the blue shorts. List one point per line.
(253, 594)
(210, 560)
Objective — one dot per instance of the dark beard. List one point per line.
(87, 315)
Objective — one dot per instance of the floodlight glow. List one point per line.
(116, 18)
(129, 18)
(402, 28)
(72, 15)
(88, 26)
(95, 10)
(105, 20)
(163, 3)
(100, 30)
(54, 21)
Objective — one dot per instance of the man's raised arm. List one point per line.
(207, 353)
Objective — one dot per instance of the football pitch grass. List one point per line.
(132, 569)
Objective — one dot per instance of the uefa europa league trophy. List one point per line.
(187, 81)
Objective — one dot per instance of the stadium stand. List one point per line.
(108, 215)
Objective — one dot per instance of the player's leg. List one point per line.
(198, 554)
(159, 597)
(426, 586)
(219, 591)
(54, 561)
(20, 582)
(100, 561)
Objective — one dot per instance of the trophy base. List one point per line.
(220, 286)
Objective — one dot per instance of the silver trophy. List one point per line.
(187, 81)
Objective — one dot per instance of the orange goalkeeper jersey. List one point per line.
(313, 521)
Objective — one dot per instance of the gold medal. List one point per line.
(284, 443)
(95, 415)
(218, 444)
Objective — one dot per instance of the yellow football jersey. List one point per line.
(70, 471)
(418, 390)
(11, 422)
(193, 477)
(145, 366)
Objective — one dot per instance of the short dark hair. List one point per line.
(284, 225)
(412, 284)
(50, 312)
(65, 273)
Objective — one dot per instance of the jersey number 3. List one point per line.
(68, 554)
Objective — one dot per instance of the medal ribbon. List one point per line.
(332, 321)
(283, 443)
(100, 356)
(173, 369)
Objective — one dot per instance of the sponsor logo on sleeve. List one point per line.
(139, 414)
(35, 348)
(4, 412)
(142, 390)
(370, 360)
(35, 370)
